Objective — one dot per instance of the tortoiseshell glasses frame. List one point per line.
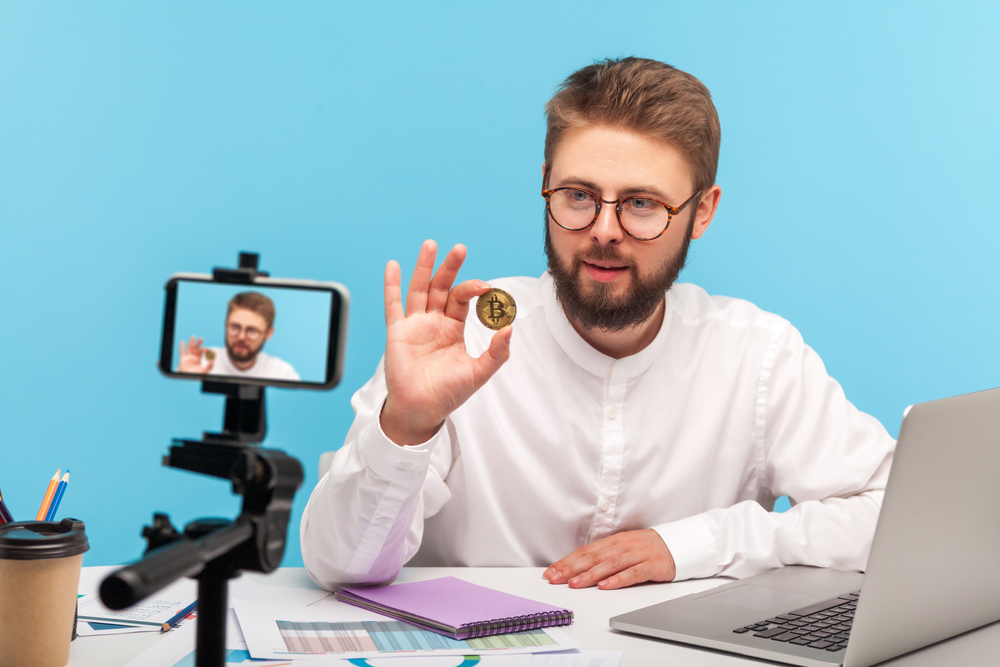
(619, 204)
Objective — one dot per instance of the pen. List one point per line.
(49, 492)
(5, 516)
(178, 616)
(57, 498)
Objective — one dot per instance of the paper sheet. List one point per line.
(154, 611)
(338, 630)
(176, 649)
(99, 629)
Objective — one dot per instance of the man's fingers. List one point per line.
(416, 294)
(636, 574)
(460, 297)
(615, 562)
(580, 560)
(490, 361)
(393, 293)
(437, 298)
(604, 564)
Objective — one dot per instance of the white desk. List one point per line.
(592, 609)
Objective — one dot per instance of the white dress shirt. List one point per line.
(265, 367)
(695, 436)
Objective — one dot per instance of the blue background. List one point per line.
(859, 172)
(301, 323)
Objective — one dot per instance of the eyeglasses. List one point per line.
(642, 218)
(252, 333)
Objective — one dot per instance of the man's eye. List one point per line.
(640, 203)
(579, 196)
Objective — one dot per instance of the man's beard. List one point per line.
(243, 357)
(599, 308)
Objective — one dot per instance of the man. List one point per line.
(633, 430)
(249, 324)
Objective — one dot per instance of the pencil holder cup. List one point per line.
(40, 565)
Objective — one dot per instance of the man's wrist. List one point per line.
(403, 433)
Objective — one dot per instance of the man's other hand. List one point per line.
(428, 373)
(618, 561)
(190, 360)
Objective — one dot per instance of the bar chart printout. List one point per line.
(388, 637)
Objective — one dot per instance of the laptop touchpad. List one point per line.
(751, 596)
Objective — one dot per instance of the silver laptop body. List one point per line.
(932, 572)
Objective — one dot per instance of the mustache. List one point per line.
(604, 253)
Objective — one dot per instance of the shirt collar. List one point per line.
(580, 350)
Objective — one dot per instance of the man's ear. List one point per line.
(267, 336)
(708, 203)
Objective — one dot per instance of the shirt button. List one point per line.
(605, 505)
(384, 521)
(612, 413)
(405, 465)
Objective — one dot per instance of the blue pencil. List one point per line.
(57, 498)
(178, 616)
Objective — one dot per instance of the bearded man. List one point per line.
(633, 429)
(249, 325)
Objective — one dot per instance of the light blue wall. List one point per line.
(859, 174)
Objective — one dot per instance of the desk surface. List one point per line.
(592, 609)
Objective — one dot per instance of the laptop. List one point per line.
(932, 572)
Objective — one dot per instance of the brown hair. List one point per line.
(256, 302)
(645, 96)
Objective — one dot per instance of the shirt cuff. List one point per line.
(693, 547)
(391, 461)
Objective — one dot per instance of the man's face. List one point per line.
(246, 333)
(604, 278)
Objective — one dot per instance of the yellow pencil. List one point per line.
(51, 491)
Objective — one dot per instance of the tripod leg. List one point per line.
(212, 603)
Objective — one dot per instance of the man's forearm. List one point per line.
(364, 519)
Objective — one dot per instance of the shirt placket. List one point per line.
(612, 455)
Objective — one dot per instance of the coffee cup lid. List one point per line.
(33, 540)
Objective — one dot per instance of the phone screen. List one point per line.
(259, 333)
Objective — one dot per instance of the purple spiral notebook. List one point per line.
(456, 608)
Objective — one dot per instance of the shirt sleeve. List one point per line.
(364, 519)
(812, 445)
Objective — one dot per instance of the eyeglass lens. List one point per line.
(641, 217)
(252, 333)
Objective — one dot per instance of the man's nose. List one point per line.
(606, 228)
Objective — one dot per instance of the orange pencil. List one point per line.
(51, 491)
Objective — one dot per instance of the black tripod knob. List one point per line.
(160, 533)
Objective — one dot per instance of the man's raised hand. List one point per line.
(428, 373)
(190, 359)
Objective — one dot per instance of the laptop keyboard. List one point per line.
(825, 625)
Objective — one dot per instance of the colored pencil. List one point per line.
(57, 498)
(5, 515)
(179, 616)
(49, 492)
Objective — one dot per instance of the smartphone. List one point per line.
(271, 331)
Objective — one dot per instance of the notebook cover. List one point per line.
(455, 607)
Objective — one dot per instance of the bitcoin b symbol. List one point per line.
(496, 309)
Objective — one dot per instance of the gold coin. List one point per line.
(496, 309)
(210, 355)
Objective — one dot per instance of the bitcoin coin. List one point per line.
(496, 309)
(210, 355)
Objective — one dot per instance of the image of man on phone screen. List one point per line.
(249, 324)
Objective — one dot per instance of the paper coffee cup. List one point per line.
(40, 565)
